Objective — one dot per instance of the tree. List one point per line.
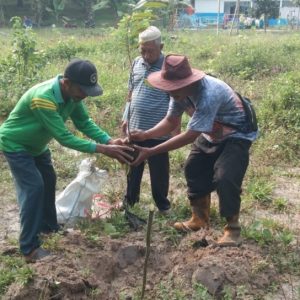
(129, 28)
(2, 17)
(118, 7)
(56, 7)
(24, 46)
(39, 9)
(165, 7)
(87, 7)
(267, 9)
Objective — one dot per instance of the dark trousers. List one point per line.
(222, 170)
(35, 182)
(159, 175)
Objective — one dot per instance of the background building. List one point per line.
(287, 8)
(206, 11)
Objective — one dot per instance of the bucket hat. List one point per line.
(175, 74)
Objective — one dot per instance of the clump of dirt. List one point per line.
(114, 268)
(110, 269)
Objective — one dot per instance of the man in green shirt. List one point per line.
(38, 117)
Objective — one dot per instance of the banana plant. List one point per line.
(39, 7)
(164, 7)
(118, 7)
(170, 4)
(57, 8)
(151, 4)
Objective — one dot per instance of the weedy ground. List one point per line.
(103, 259)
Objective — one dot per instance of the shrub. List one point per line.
(279, 116)
(255, 58)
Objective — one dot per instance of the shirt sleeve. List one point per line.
(86, 125)
(46, 113)
(176, 108)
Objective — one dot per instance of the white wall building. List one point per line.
(287, 9)
(226, 6)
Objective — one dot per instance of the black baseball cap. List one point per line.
(84, 73)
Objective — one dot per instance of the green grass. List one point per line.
(263, 67)
(13, 269)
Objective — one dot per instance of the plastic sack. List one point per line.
(77, 197)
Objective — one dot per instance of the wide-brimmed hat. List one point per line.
(84, 73)
(175, 74)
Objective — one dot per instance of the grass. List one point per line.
(263, 67)
(201, 292)
(13, 269)
(268, 231)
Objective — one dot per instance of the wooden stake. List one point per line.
(148, 241)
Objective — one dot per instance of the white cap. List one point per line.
(150, 34)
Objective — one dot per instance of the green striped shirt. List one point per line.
(40, 115)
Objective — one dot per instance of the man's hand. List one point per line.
(144, 153)
(117, 141)
(121, 153)
(137, 136)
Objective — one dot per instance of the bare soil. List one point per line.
(113, 268)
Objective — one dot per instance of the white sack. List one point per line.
(77, 196)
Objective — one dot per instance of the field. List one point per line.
(103, 259)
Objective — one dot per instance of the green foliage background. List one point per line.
(263, 67)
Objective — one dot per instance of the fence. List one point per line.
(209, 20)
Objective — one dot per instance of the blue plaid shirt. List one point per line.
(214, 105)
(148, 105)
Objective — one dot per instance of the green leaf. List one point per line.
(59, 5)
(101, 5)
(151, 4)
(48, 9)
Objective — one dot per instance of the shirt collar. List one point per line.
(56, 89)
(157, 64)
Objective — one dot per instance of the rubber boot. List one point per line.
(200, 216)
(232, 233)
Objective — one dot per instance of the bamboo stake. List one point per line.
(148, 241)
